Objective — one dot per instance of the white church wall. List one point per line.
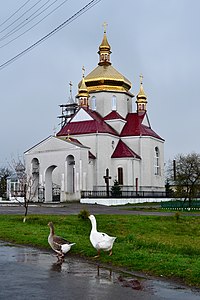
(104, 104)
(149, 180)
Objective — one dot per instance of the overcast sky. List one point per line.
(158, 38)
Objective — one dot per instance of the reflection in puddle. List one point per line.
(37, 268)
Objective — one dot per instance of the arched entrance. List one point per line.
(52, 190)
(70, 174)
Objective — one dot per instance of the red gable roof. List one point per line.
(89, 126)
(113, 115)
(134, 126)
(122, 150)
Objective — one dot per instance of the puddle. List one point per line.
(34, 274)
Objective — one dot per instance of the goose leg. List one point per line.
(110, 252)
(98, 254)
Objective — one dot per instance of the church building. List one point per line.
(105, 137)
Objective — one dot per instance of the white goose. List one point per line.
(99, 240)
(58, 244)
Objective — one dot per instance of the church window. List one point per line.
(120, 176)
(156, 161)
(114, 102)
(93, 104)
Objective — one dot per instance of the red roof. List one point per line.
(134, 126)
(85, 127)
(122, 150)
(113, 115)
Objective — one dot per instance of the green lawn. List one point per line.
(155, 245)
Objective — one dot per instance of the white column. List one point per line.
(84, 181)
(81, 177)
(41, 182)
(77, 182)
(62, 182)
(65, 179)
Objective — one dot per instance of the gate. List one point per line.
(41, 194)
(56, 193)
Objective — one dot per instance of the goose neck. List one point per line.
(94, 224)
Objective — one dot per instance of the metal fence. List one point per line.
(124, 194)
(181, 205)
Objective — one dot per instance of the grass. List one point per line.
(161, 246)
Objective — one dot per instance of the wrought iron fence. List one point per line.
(41, 194)
(124, 194)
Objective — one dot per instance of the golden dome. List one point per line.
(141, 98)
(104, 77)
(104, 44)
(141, 95)
(83, 91)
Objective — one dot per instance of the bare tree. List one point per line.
(26, 187)
(184, 173)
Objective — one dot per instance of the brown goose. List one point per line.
(58, 244)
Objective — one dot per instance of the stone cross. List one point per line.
(106, 178)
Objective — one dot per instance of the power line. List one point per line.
(27, 20)
(61, 26)
(14, 13)
(35, 23)
(20, 16)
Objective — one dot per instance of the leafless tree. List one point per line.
(184, 173)
(26, 186)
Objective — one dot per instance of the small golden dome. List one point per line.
(141, 98)
(104, 44)
(83, 91)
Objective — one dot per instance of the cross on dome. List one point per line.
(83, 71)
(141, 78)
(104, 26)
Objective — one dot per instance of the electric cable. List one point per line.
(14, 13)
(38, 22)
(61, 26)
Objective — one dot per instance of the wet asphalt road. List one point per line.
(74, 209)
(28, 273)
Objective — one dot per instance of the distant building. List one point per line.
(99, 130)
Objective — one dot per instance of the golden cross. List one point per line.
(105, 25)
(83, 71)
(141, 78)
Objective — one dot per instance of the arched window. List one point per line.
(120, 175)
(93, 103)
(156, 161)
(114, 102)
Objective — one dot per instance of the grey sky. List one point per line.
(158, 38)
